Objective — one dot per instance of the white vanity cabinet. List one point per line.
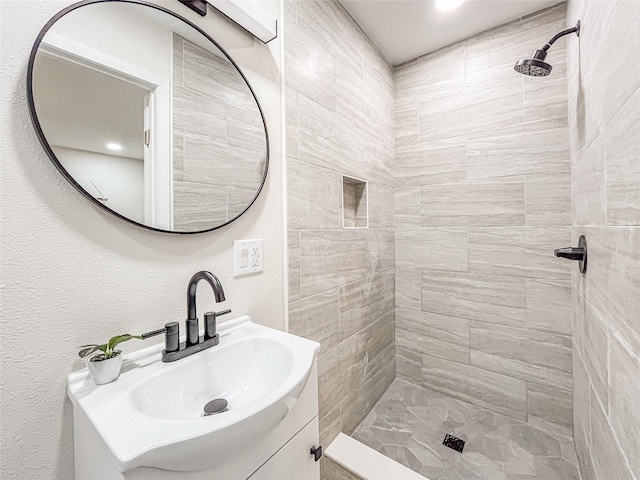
(293, 461)
(143, 427)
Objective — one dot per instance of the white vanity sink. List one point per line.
(243, 371)
(153, 414)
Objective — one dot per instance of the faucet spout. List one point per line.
(215, 284)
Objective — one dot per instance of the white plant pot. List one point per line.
(105, 371)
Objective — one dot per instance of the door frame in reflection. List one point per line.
(158, 165)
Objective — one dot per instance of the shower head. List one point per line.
(536, 66)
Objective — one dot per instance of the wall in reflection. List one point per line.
(218, 139)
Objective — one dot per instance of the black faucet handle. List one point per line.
(210, 322)
(171, 338)
(153, 333)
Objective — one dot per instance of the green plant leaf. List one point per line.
(107, 348)
(118, 339)
(89, 350)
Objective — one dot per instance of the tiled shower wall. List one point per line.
(604, 125)
(482, 199)
(339, 99)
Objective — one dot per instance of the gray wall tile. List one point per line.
(622, 146)
(380, 250)
(588, 197)
(604, 113)
(434, 334)
(331, 470)
(548, 198)
(364, 301)
(330, 384)
(357, 403)
(425, 164)
(330, 426)
(340, 120)
(548, 99)
(581, 417)
(408, 288)
(549, 306)
(500, 393)
(521, 251)
(189, 201)
(613, 279)
(466, 204)
(609, 461)
(550, 407)
(625, 417)
(594, 349)
(326, 141)
(378, 159)
(378, 74)
(357, 103)
(333, 29)
(534, 356)
(318, 318)
(414, 80)
(487, 298)
(330, 258)
(313, 196)
(407, 207)
(318, 83)
(433, 248)
(407, 129)
(360, 352)
(409, 365)
(536, 147)
(381, 206)
(493, 160)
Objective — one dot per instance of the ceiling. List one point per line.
(405, 29)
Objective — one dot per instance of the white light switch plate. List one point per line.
(247, 257)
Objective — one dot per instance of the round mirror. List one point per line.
(147, 116)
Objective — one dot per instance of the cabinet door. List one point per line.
(294, 460)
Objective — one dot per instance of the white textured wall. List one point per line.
(119, 179)
(72, 274)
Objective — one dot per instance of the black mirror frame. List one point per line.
(60, 167)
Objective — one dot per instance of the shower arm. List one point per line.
(568, 31)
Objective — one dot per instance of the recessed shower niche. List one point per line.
(355, 208)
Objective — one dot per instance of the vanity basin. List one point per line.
(241, 372)
(153, 414)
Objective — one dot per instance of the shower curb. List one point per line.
(367, 463)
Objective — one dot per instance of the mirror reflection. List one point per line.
(147, 116)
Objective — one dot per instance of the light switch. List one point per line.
(247, 256)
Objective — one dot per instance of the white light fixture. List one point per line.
(114, 146)
(448, 5)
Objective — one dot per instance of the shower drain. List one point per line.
(453, 443)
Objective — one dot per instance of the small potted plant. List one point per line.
(105, 367)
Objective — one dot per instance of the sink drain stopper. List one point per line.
(218, 405)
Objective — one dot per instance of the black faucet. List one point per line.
(192, 318)
(174, 349)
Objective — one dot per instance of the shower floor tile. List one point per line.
(409, 423)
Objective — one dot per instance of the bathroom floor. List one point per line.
(409, 423)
